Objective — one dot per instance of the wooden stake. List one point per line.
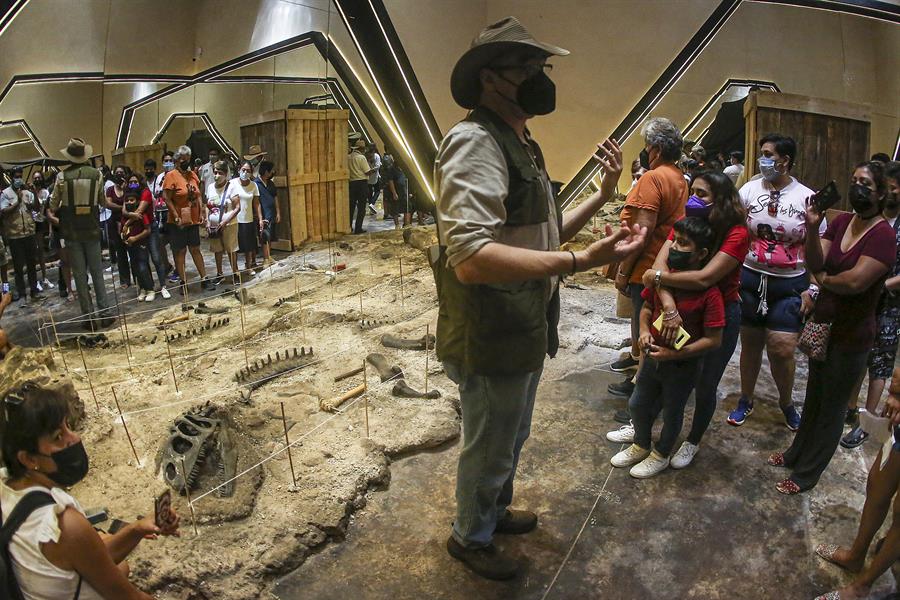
(121, 320)
(360, 304)
(243, 332)
(427, 327)
(58, 345)
(121, 416)
(348, 374)
(187, 492)
(169, 353)
(302, 322)
(296, 286)
(402, 303)
(366, 397)
(127, 342)
(41, 332)
(87, 373)
(287, 444)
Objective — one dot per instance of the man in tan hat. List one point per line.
(75, 202)
(358, 166)
(497, 270)
(255, 155)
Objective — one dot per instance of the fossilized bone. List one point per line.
(200, 440)
(195, 331)
(348, 374)
(385, 369)
(98, 340)
(173, 320)
(262, 371)
(402, 390)
(332, 404)
(392, 341)
(366, 324)
(203, 309)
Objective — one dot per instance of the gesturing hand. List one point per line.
(609, 155)
(615, 246)
(892, 409)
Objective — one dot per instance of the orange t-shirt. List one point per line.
(187, 193)
(664, 191)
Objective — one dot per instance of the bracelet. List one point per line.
(574, 263)
(668, 316)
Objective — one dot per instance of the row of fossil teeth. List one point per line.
(260, 364)
(373, 323)
(195, 331)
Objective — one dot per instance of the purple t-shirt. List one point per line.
(853, 317)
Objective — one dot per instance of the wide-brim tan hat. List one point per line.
(255, 152)
(77, 151)
(494, 40)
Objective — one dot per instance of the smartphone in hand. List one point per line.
(162, 505)
(825, 198)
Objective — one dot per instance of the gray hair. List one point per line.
(182, 151)
(663, 133)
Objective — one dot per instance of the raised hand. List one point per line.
(609, 155)
(616, 246)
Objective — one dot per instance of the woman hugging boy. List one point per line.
(668, 374)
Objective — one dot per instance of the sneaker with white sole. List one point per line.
(631, 455)
(48, 285)
(650, 466)
(151, 296)
(165, 293)
(622, 435)
(142, 296)
(684, 456)
(38, 286)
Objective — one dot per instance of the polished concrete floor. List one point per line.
(717, 529)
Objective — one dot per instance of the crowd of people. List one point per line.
(706, 255)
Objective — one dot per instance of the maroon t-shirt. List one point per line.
(853, 317)
(698, 310)
(736, 245)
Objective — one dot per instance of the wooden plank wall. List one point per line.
(268, 131)
(828, 146)
(134, 157)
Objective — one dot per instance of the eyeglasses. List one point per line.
(528, 70)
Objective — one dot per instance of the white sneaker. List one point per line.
(142, 296)
(38, 286)
(151, 296)
(622, 435)
(165, 293)
(684, 456)
(47, 284)
(631, 455)
(650, 466)
(108, 269)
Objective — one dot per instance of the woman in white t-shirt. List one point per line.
(775, 289)
(56, 553)
(250, 214)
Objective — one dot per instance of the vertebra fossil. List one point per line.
(262, 371)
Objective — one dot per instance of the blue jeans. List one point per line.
(714, 363)
(496, 414)
(84, 258)
(637, 303)
(662, 387)
(139, 259)
(158, 254)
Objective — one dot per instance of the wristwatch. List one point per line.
(657, 278)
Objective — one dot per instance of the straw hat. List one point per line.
(77, 151)
(255, 152)
(494, 40)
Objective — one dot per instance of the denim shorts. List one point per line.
(772, 302)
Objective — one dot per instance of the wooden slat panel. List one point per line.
(264, 117)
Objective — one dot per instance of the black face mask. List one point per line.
(185, 165)
(119, 180)
(679, 260)
(536, 95)
(860, 198)
(644, 157)
(149, 174)
(38, 183)
(71, 465)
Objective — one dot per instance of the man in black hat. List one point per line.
(497, 269)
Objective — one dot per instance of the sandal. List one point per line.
(787, 487)
(826, 552)
(776, 460)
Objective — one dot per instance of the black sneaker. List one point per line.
(622, 389)
(516, 522)
(206, 284)
(855, 438)
(629, 363)
(622, 416)
(486, 561)
(852, 416)
(217, 280)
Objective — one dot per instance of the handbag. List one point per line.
(217, 231)
(814, 340)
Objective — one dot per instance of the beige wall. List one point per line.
(619, 47)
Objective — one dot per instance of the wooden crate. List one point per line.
(134, 156)
(831, 136)
(309, 149)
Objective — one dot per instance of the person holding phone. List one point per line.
(268, 206)
(850, 263)
(223, 208)
(56, 553)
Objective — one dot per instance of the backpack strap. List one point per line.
(27, 505)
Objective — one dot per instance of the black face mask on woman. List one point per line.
(861, 200)
(536, 95)
(185, 165)
(71, 465)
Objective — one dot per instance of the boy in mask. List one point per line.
(667, 375)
